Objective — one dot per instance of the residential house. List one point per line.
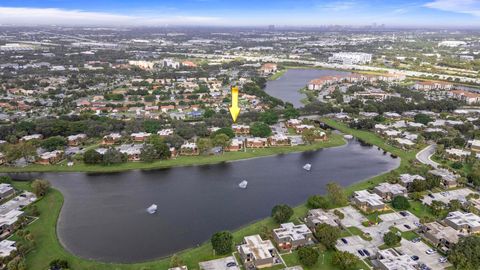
(6, 191)
(316, 217)
(6, 248)
(301, 128)
(279, 140)
(165, 132)
(448, 178)
(235, 145)
(474, 145)
(290, 236)
(132, 151)
(389, 191)
(189, 149)
(440, 236)
(367, 201)
(140, 136)
(75, 140)
(31, 137)
(257, 253)
(241, 129)
(406, 179)
(391, 259)
(293, 123)
(111, 139)
(256, 142)
(48, 158)
(463, 222)
(268, 68)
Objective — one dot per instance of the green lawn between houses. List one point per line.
(48, 246)
(334, 140)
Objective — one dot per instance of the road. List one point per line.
(425, 155)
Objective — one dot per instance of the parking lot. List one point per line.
(419, 249)
(406, 222)
(353, 218)
(220, 264)
(447, 196)
(354, 243)
(18, 202)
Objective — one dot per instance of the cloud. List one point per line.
(49, 16)
(337, 5)
(471, 7)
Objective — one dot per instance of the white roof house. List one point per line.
(292, 231)
(257, 248)
(6, 248)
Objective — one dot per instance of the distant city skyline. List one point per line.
(426, 13)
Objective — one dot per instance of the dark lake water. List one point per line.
(104, 216)
(286, 87)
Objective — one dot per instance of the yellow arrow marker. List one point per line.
(234, 109)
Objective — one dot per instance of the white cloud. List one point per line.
(48, 16)
(337, 5)
(471, 7)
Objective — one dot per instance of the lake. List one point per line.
(286, 87)
(104, 216)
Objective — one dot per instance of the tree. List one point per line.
(290, 112)
(307, 256)
(282, 213)
(148, 153)
(465, 254)
(5, 179)
(221, 140)
(454, 205)
(58, 264)
(40, 187)
(391, 239)
(54, 143)
(222, 242)
(438, 208)
(176, 261)
(327, 235)
(317, 201)
(422, 118)
(336, 194)
(269, 117)
(91, 156)
(259, 129)
(20, 150)
(400, 203)
(204, 144)
(309, 136)
(113, 156)
(226, 130)
(344, 260)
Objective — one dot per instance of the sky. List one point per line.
(423, 13)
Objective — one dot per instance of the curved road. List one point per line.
(425, 155)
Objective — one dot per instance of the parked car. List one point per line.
(407, 226)
(344, 240)
(361, 252)
(442, 260)
(415, 257)
(403, 213)
(430, 251)
(431, 195)
(231, 264)
(366, 252)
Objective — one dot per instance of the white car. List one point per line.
(442, 260)
(430, 251)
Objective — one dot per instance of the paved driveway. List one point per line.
(419, 249)
(424, 156)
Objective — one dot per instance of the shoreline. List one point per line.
(334, 140)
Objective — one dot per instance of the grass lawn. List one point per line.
(420, 210)
(357, 231)
(48, 246)
(277, 75)
(324, 261)
(334, 140)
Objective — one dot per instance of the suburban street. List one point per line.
(424, 156)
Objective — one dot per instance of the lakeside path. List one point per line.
(181, 161)
(49, 248)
